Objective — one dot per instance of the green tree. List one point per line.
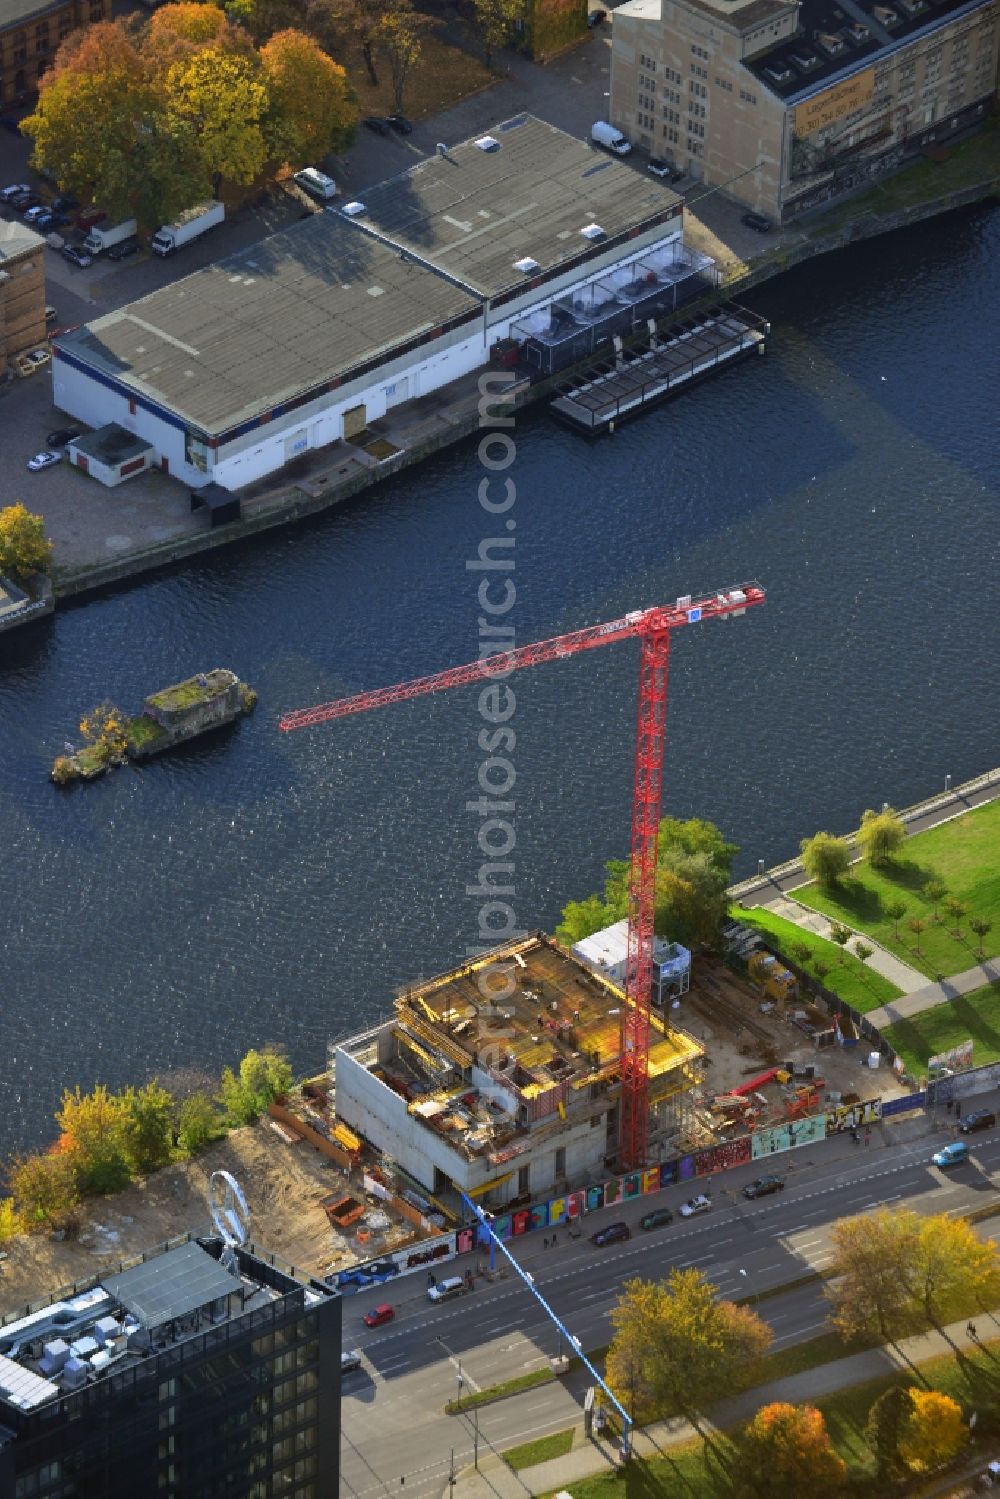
(953, 1267)
(581, 918)
(982, 929)
(497, 20)
(24, 548)
(44, 1189)
(956, 910)
(821, 969)
(802, 952)
(198, 1123)
(676, 1347)
(933, 1432)
(10, 1223)
(935, 891)
(400, 35)
(863, 951)
(263, 1077)
(91, 1125)
(916, 926)
(825, 858)
(895, 910)
(881, 835)
(312, 109)
(884, 1429)
(147, 1121)
(840, 935)
(218, 101)
(785, 1452)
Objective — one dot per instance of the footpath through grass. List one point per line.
(975, 1016)
(857, 984)
(701, 1471)
(963, 856)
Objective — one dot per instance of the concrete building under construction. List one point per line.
(502, 1077)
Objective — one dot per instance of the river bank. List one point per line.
(419, 429)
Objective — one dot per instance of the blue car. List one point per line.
(951, 1155)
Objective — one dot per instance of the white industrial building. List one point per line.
(606, 952)
(307, 337)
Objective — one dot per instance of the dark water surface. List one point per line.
(259, 886)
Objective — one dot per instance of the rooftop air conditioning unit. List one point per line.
(592, 231)
(527, 265)
(487, 143)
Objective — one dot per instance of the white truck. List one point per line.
(102, 237)
(188, 226)
(603, 134)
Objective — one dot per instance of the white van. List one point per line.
(603, 134)
(316, 184)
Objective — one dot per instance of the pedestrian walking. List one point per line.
(855, 1137)
(868, 1137)
(971, 1330)
(430, 1279)
(545, 1243)
(553, 1241)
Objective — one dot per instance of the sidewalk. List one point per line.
(908, 979)
(925, 998)
(495, 1480)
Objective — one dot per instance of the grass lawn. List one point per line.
(975, 1015)
(689, 1469)
(530, 1454)
(443, 76)
(848, 976)
(963, 855)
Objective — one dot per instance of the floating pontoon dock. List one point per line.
(628, 380)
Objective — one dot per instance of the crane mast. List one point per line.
(653, 627)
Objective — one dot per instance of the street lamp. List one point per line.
(460, 1381)
(756, 1293)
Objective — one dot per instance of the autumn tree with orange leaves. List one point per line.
(148, 120)
(786, 1451)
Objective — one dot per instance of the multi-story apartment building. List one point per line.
(30, 34)
(788, 105)
(22, 291)
(200, 1370)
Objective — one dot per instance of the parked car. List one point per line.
(951, 1155)
(48, 220)
(43, 460)
(383, 1268)
(400, 124)
(756, 221)
(125, 250)
(12, 191)
(699, 1204)
(23, 200)
(981, 1119)
(76, 256)
(658, 166)
(377, 124)
(379, 1315)
(764, 1186)
(349, 1359)
(447, 1290)
(62, 437)
(658, 1218)
(613, 1233)
(88, 217)
(35, 213)
(64, 202)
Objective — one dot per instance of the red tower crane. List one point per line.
(653, 628)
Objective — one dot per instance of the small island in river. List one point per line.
(169, 717)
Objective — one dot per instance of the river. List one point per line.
(258, 886)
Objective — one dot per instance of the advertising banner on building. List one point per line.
(853, 1115)
(834, 103)
(576, 1205)
(768, 1142)
(651, 1180)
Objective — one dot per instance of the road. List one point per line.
(499, 1332)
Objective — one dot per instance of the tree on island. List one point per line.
(825, 858)
(881, 835)
(24, 548)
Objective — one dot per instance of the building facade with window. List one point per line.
(22, 291)
(787, 106)
(196, 1372)
(30, 35)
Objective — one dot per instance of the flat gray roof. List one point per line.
(172, 1284)
(254, 331)
(13, 11)
(474, 212)
(17, 239)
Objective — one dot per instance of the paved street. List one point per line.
(498, 1332)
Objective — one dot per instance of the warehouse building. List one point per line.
(510, 1096)
(312, 334)
(790, 105)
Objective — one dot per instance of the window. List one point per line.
(724, 83)
(747, 97)
(523, 1180)
(560, 1170)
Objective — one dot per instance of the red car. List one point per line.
(88, 217)
(379, 1314)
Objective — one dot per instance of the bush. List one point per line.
(263, 1076)
(94, 1137)
(23, 547)
(9, 1222)
(198, 1123)
(44, 1190)
(147, 1127)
